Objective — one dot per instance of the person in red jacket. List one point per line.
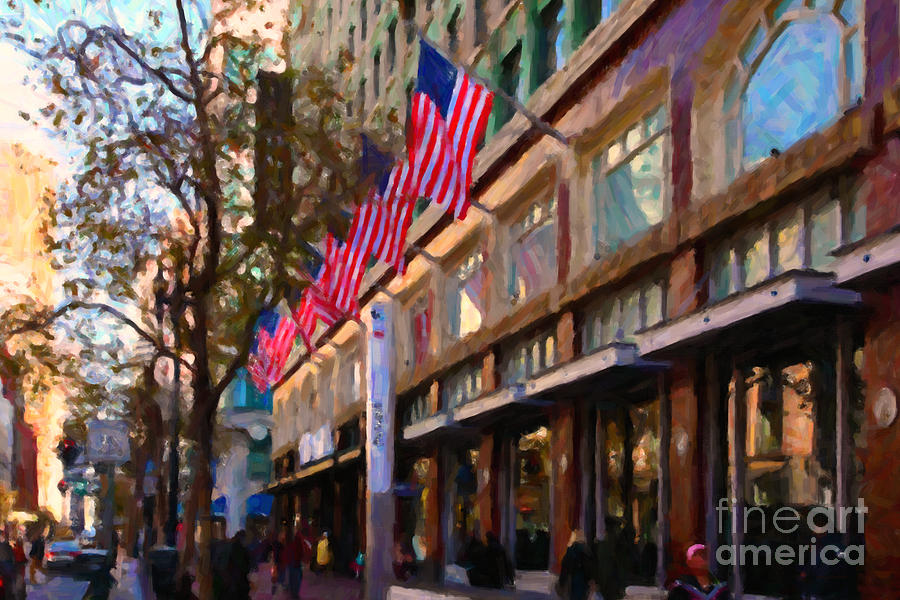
(292, 562)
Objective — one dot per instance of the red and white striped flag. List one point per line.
(449, 114)
(395, 212)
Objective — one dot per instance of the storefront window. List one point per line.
(532, 550)
(414, 498)
(787, 409)
(632, 450)
(789, 457)
(465, 510)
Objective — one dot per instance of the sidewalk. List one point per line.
(131, 582)
(314, 587)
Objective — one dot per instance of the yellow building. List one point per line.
(25, 271)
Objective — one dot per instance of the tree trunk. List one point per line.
(160, 506)
(203, 482)
(190, 525)
(135, 516)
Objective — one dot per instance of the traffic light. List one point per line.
(68, 451)
(62, 486)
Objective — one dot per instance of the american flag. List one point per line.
(449, 114)
(314, 305)
(395, 216)
(274, 342)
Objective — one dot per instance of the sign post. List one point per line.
(379, 450)
(107, 446)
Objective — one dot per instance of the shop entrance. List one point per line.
(630, 477)
(532, 500)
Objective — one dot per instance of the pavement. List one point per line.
(314, 587)
(130, 584)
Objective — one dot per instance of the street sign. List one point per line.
(107, 441)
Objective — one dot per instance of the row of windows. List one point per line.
(530, 357)
(618, 317)
(800, 237)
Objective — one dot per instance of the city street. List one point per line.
(129, 585)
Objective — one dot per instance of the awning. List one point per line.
(496, 403)
(260, 504)
(307, 471)
(220, 505)
(795, 288)
(427, 426)
(605, 367)
(874, 261)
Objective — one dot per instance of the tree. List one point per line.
(193, 164)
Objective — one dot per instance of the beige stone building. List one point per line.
(694, 299)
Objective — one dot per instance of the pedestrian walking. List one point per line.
(7, 567)
(36, 556)
(293, 560)
(239, 563)
(576, 575)
(324, 556)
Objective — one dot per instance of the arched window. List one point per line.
(799, 67)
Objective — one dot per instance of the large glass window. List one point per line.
(551, 47)
(787, 413)
(799, 67)
(632, 480)
(532, 508)
(630, 177)
(508, 79)
(533, 265)
(468, 292)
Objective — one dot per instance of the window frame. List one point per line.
(599, 167)
(838, 194)
(461, 274)
(521, 232)
(773, 27)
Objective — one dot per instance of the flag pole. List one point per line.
(538, 123)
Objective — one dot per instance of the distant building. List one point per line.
(244, 467)
(27, 460)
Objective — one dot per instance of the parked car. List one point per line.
(61, 554)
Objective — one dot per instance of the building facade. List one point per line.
(28, 464)
(662, 332)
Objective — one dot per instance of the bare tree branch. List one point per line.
(40, 325)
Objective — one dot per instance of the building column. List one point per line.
(586, 476)
(844, 365)
(485, 474)
(600, 483)
(434, 541)
(664, 488)
(737, 428)
(712, 461)
(381, 401)
(563, 504)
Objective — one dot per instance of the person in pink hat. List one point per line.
(699, 584)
